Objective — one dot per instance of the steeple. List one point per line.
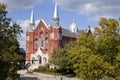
(55, 17)
(32, 23)
(55, 12)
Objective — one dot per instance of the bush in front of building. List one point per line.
(41, 69)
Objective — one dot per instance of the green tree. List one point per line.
(97, 56)
(87, 65)
(108, 42)
(9, 46)
(62, 59)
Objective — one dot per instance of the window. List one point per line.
(41, 28)
(41, 39)
(42, 42)
(46, 41)
(46, 34)
(36, 43)
(59, 35)
(44, 60)
(39, 59)
(33, 60)
(52, 35)
(41, 35)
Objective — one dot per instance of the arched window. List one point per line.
(36, 43)
(46, 41)
(33, 60)
(42, 42)
(44, 60)
(39, 59)
(41, 35)
(52, 35)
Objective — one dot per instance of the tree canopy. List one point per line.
(97, 56)
(9, 46)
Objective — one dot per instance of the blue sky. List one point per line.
(83, 12)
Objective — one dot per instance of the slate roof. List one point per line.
(68, 33)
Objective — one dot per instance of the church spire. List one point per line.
(32, 23)
(55, 12)
(55, 17)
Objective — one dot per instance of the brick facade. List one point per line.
(51, 36)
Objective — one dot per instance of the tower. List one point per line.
(55, 17)
(30, 38)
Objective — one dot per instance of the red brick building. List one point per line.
(42, 40)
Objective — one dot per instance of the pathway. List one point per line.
(41, 76)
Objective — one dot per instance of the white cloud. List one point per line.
(19, 4)
(24, 25)
(91, 6)
(22, 39)
(97, 17)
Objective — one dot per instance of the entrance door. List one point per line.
(39, 59)
(33, 60)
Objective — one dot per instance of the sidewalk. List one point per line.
(42, 76)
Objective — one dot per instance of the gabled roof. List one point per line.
(44, 23)
(68, 33)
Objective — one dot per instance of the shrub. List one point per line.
(41, 69)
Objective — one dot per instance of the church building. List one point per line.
(43, 39)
